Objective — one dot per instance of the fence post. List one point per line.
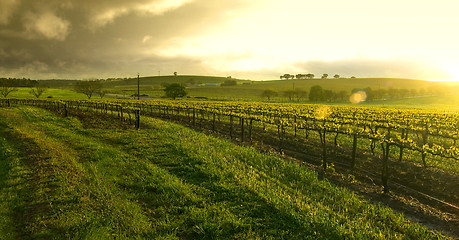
(354, 150)
(137, 119)
(385, 169)
(213, 122)
(424, 142)
(65, 110)
(250, 131)
(231, 126)
(242, 129)
(194, 117)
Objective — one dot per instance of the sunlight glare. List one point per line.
(358, 97)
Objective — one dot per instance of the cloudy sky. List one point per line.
(251, 39)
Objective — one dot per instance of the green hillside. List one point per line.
(158, 80)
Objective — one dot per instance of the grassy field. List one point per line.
(247, 90)
(98, 179)
(24, 92)
(252, 90)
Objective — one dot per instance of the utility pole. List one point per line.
(138, 86)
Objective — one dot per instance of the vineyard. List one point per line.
(426, 133)
(418, 148)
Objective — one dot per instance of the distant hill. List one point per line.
(157, 80)
(254, 89)
(57, 83)
(346, 84)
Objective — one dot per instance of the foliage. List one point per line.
(37, 91)
(268, 93)
(287, 76)
(175, 90)
(295, 94)
(316, 94)
(101, 93)
(18, 82)
(229, 83)
(290, 94)
(6, 89)
(88, 88)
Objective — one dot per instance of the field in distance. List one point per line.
(422, 94)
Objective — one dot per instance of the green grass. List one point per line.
(62, 179)
(435, 102)
(24, 92)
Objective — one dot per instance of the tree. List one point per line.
(324, 76)
(342, 95)
(287, 76)
(300, 93)
(290, 94)
(37, 91)
(336, 76)
(229, 83)
(301, 76)
(6, 89)
(175, 73)
(175, 90)
(269, 94)
(310, 76)
(88, 88)
(316, 94)
(101, 93)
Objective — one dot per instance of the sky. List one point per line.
(248, 39)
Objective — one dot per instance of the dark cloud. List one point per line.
(111, 38)
(79, 38)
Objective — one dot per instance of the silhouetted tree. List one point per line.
(102, 93)
(324, 76)
(88, 88)
(287, 76)
(316, 94)
(300, 93)
(329, 95)
(6, 89)
(290, 94)
(229, 83)
(37, 91)
(336, 76)
(301, 76)
(175, 90)
(269, 94)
